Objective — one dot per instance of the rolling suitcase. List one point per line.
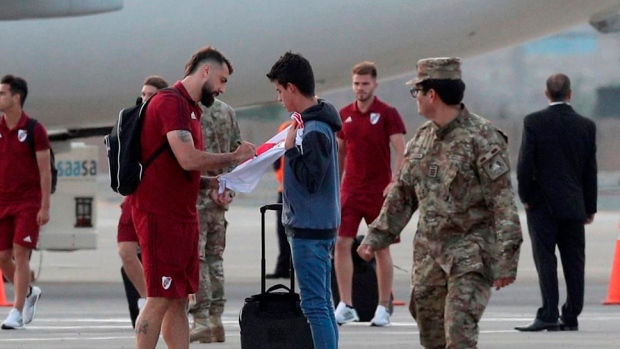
(273, 318)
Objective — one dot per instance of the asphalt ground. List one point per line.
(83, 303)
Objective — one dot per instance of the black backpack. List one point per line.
(124, 149)
(30, 136)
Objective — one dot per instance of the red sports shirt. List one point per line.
(19, 173)
(167, 189)
(367, 137)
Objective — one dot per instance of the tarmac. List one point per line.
(83, 303)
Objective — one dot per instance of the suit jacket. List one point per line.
(557, 162)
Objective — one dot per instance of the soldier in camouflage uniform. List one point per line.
(221, 135)
(456, 172)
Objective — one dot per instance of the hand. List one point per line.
(589, 219)
(526, 206)
(387, 189)
(209, 182)
(366, 252)
(289, 142)
(223, 199)
(43, 216)
(503, 282)
(245, 151)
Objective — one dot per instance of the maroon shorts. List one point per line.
(169, 254)
(18, 225)
(356, 207)
(126, 229)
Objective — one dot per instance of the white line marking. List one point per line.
(62, 339)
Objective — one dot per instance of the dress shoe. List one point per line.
(568, 327)
(539, 325)
(277, 276)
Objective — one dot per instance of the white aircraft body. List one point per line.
(83, 69)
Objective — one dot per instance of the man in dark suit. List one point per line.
(557, 184)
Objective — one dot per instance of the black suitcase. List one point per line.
(273, 318)
(364, 290)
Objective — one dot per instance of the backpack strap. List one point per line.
(30, 135)
(165, 145)
(156, 154)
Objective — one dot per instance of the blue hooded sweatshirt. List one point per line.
(311, 195)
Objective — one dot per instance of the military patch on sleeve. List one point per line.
(493, 163)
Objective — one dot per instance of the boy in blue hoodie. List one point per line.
(311, 203)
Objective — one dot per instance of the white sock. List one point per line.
(141, 303)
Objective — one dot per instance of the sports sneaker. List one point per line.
(345, 314)
(382, 317)
(30, 306)
(14, 321)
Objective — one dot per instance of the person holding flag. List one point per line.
(311, 202)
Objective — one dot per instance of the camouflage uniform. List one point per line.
(468, 234)
(221, 135)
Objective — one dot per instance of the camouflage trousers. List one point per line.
(448, 309)
(212, 242)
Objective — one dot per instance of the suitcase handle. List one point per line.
(293, 298)
(277, 287)
(270, 207)
(263, 209)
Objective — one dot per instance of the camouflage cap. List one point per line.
(444, 68)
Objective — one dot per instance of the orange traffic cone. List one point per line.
(613, 293)
(3, 301)
(396, 302)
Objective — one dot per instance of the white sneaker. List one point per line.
(382, 317)
(30, 305)
(14, 321)
(344, 314)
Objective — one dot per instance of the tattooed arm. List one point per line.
(191, 159)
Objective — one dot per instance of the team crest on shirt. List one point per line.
(348, 119)
(374, 118)
(21, 135)
(166, 281)
(193, 116)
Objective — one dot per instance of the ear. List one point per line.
(547, 95)
(291, 88)
(206, 70)
(431, 94)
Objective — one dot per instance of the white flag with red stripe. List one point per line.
(245, 177)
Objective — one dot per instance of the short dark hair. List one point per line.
(207, 53)
(450, 91)
(365, 68)
(558, 86)
(17, 85)
(156, 81)
(293, 68)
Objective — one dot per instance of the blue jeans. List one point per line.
(313, 265)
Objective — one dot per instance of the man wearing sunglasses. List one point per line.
(456, 172)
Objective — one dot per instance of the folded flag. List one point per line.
(245, 177)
